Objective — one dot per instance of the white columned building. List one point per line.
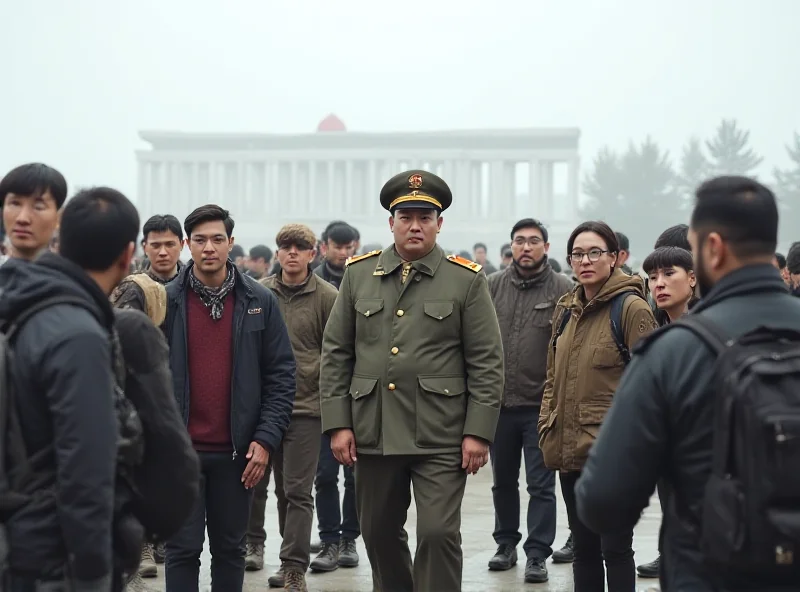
(267, 180)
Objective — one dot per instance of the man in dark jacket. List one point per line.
(339, 243)
(524, 295)
(64, 369)
(234, 377)
(661, 423)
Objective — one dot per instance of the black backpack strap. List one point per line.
(563, 320)
(707, 330)
(617, 325)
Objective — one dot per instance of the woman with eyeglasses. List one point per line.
(587, 356)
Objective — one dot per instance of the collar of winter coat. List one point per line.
(618, 282)
(750, 279)
(526, 282)
(276, 283)
(389, 260)
(241, 284)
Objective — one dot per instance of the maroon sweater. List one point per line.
(210, 353)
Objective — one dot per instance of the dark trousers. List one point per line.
(294, 467)
(223, 507)
(517, 434)
(334, 521)
(592, 549)
(383, 488)
(255, 526)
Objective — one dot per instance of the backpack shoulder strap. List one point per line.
(707, 330)
(617, 326)
(12, 325)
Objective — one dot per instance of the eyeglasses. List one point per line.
(593, 255)
(533, 241)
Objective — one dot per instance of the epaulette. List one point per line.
(357, 258)
(471, 265)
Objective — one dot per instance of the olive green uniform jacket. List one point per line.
(412, 368)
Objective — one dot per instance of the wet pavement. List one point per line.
(478, 523)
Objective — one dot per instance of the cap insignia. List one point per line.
(415, 181)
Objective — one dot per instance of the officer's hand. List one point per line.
(343, 446)
(474, 453)
(257, 465)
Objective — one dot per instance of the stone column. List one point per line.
(142, 194)
(350, 197)
(293, 197)
(311, 197)
(534, 188)
(373, 188)
(573, 188)
(547, 191)
(331, 199)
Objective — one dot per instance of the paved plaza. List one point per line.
(478, 522)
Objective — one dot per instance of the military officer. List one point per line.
(411, 382)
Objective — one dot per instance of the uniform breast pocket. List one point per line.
(369, 318)
(543, 315)
(439, 318)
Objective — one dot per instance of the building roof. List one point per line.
(331, 124)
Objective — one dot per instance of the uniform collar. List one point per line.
(389, 260)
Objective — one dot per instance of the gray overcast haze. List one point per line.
(81, 78)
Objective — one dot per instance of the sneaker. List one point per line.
(136, 584)
(148, 567)
(328, 558)
(535, 571)
(505, 558)
(348, 554)
(295, 581)
(649, 570)
(316, 546)
(278, 579)
(254, 560)
(160, 553)
(565, 554)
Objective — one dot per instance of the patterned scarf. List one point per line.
(213, 298)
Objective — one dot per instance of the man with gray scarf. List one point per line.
(524, 295)
(233, 373)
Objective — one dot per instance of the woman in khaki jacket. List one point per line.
(584, 367)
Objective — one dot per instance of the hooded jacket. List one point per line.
(63, 382)
(585, 366)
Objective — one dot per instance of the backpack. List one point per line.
(750, 516)
(615, 316)
(23, 475)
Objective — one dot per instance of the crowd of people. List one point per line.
(147, 402)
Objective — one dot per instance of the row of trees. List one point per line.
(642, 191)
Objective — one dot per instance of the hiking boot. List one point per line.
(160, 553)
(348, 554)
(328, 558)
(254, 560)
(565, 554)
(505, 558)
(649, 570)
(278, 579)
(535, 571)
(148, 567)
(295, 581)
(316, 546)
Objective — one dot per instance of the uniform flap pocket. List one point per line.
(606, 357)
(449, 386)
(369, 306)
(592, 413)
(438, 309)
(361, 386)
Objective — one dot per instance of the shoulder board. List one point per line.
(471, 265)
(352, 260)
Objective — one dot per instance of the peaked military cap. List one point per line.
(416, 189)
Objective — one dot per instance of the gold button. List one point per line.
(400, 313)
(395, 350)
(391, 386)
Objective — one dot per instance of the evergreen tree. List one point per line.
(787, 190)
(604, 185)
(694, 169)
(730, 154)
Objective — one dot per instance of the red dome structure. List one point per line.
(331, 124)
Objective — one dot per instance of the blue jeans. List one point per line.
(223, 506)
(334, 522)
(516, 435)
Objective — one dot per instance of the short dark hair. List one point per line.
(675, 236)
(555, 265)
(666, 257)
(600, 228)
(742, 210)
(505, 250)
(781, 259)
(97, 225)
(159, 223)
(623, 242)
(236, 251)
(529, 223)
(261, 252)
(324, 236)
(477, 246)
(34, 179)
(208, 213)
(341, 234)
(793, 259)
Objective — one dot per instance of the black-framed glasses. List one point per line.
(533, 241)
(593, 255)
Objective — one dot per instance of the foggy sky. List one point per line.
(81, 78)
